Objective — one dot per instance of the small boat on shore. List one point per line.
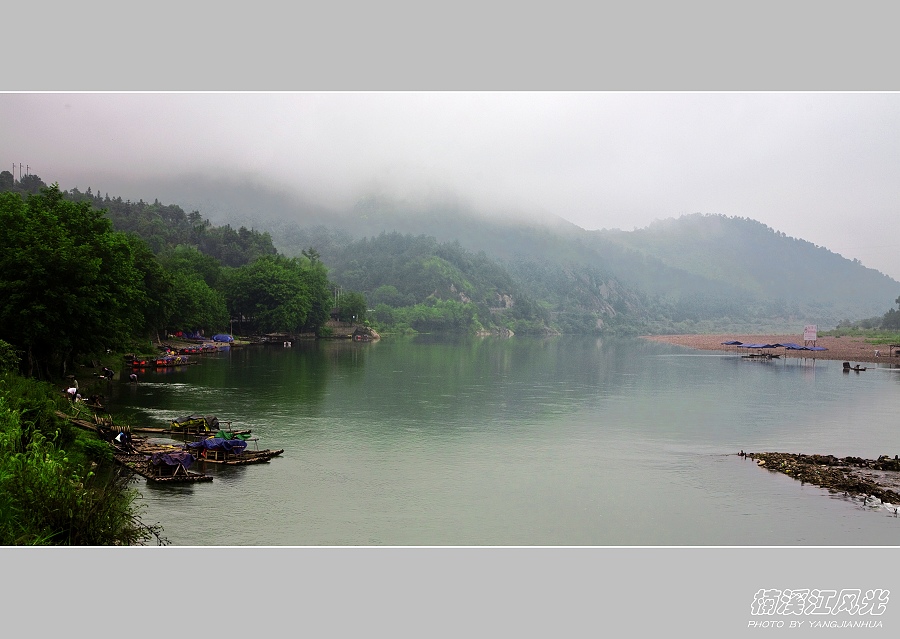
(172, 360)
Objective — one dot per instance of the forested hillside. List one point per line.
(408, 278)
(716, 266)
(447, 267)
(695, 273)
(78, 279)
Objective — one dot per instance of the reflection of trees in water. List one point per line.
(480, 379)
(425, 379)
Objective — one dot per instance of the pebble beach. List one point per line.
(847, 349)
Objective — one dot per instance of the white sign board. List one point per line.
(809, 333)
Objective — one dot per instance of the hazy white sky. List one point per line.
(823, 167)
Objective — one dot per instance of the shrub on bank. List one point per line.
(51, 496)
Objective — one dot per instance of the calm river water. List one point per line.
(519, 442)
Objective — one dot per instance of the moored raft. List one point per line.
(172, 360)
(229, 451)
(161, 467)
(195, 424)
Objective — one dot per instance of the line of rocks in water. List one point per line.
(849, 475)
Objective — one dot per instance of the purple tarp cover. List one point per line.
(172, 459)
(235, 446)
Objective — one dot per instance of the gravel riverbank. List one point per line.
(846, 349)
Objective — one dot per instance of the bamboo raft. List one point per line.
(136, 453)
(244, 458)
(182, 432)
(140, 464)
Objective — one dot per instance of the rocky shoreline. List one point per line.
(875, 482)
(846, 349)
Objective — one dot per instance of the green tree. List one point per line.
(352, 306)
(270, 294)
(189, 259)
(68, 283)
(158, 300)
(9, 358)
(315, 278)
(195, 305)
(31, 184)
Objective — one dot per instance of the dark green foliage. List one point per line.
(439, 316)
(9, 357)
(198, 302)
(68, 283)
(888, 322)
(415, 276)
(891, 320)
(49, 496)
(164, 227)
(30, 184)
(389, 295)
(352, 307)
(278, 294)
(189, 260)
(37, 403)
(315, 278)
(196, 306)
(158, 302)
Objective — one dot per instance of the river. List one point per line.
(565, 441)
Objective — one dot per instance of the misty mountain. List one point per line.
(726, 265)
(696, 272)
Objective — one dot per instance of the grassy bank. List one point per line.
(59, 485)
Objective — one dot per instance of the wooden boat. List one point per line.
(172, 360)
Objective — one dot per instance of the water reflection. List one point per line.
(520, 441)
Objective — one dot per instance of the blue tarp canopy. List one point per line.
(791, 346)
(235, 446)
(797, 347)
(222, 337)
(172, 459)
